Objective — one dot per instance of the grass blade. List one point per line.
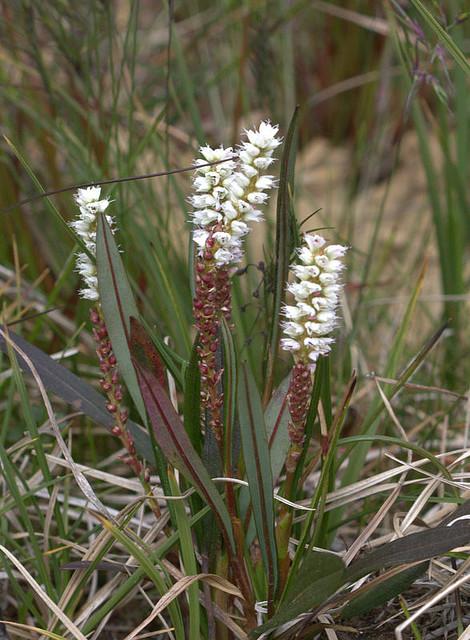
(258, 471)
(442, 35)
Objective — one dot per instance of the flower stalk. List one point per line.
(308, 327)
(91, 206)
(226, 200)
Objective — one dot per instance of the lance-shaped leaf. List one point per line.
(382, 589)
(422, 545)
(283, 246)
(143, 349)
(276, 418)
(258, 471)
(192, 398)
(118, 305)
(309, 593)
(321, 575)
(232, 436)
(65, 384)
(176, 445)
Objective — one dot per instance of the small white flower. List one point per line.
(265, 182)
(203, 201)
(304, 272)
(263, 163)
(265, 137)
(290, 345)
(229, 211)
(236, 190)
(223, 238)
(306, 309)
(214, 155)
(202, 184)
(239, 228)
(335, 251)
(257, 197)
(248, 170)
(251, 149)
(293, 329)
(200, 237)
(293, 312)
(314, 241)
(85, 196)
(223, 256)
(253, 215)
(204, 217)
(304, 289)
(89, 293)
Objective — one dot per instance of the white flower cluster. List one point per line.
(228, 194)
(90, 205)
(316, 292)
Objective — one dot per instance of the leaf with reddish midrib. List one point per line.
(118, 305)
(277, 417)
(258, 471)
(72, 389)
(143, 349)
(176, 445)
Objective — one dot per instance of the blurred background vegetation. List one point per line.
(99, 90)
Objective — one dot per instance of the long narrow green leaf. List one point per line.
(65, 384)
(322, 576)
(149, 567)
(188, 556)
(442, 35)
(277, 418)
(258, 471)
(231, 437)
(192, 399)
(176, 445)
(283, 248)
(311, 591)
(118, 305)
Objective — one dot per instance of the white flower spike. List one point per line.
(227, 195)
(90, 205)
(316, 293)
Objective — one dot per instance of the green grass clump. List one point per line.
(200, 538)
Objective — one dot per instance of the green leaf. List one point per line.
(380, 590)
(258, 471)
(148, 565)
(188, 556)
(283, 247)
(176, 445)
(442, 35)
(232, 446)
(276, 418)
(65, 384)
(416, 547)
(118, 305)
(192, 399)
(309, 592)
(319, 577)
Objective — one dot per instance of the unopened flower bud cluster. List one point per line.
(316, 292)
(228, 195)
(90, 205)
